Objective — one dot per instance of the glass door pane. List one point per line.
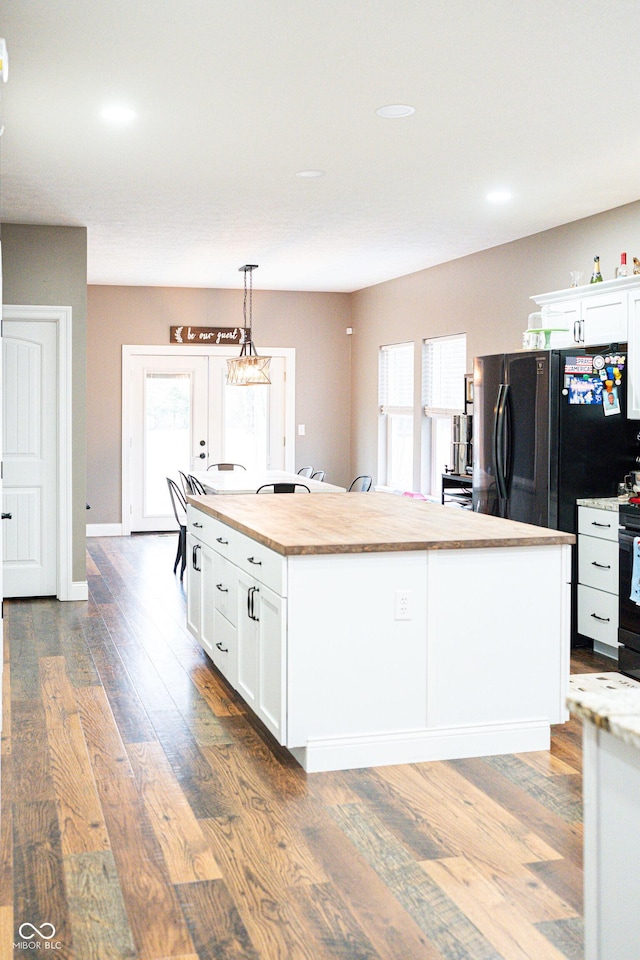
(246, 426)
(167, 436)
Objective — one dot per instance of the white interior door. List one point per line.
(169, 432)
(29, 429)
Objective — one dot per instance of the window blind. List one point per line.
(395, 377)
(444, 361)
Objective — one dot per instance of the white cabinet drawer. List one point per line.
(598, 615)
(224, 651)
(211, 531)
(224, 587)
(598, 563)
(264, 564)
(598, 523)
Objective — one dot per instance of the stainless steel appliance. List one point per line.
(628, 609)
(461, 444)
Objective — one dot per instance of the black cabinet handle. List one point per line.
(601, 619)
(220, 540)
(6, 516)
(221, 588)
(257, 563)
(594, 523)
(194, 558)
(601, 566)
(221, 648)
(198, 525)
(251, 595)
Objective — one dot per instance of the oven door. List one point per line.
(629, 611)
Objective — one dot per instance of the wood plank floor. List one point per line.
(146, 814)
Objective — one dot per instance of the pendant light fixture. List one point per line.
(248, 369)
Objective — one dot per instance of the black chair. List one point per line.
(305, 471)
(283, 487)
(226, 466)
(361, 484)
(318, 475)
(180, 510)
(186, 484)
(195, 486)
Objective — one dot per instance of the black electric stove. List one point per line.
(629, 586)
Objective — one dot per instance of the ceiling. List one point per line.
(234, 98)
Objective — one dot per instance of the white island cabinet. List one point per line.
(372, 629)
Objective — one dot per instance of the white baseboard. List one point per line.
(104, 529)
(76, 590)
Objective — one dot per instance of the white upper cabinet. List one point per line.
(596, 313)
(599, 313)
(633, 356)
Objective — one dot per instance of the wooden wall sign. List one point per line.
(214, 336)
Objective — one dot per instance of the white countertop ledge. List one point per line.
(610, 701)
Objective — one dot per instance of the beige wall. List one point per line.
(485, 296)
(48, 266)
(313, 323)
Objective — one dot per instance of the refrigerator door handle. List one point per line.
(499, 440)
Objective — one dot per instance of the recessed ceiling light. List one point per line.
(309, 174)
(394, 111)
(118, 113)
(499, 196)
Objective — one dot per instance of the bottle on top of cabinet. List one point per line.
(596, 276)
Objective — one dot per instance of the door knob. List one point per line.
(202, 455)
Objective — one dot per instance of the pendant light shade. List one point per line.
(248, 369)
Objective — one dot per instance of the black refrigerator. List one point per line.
(549, 428)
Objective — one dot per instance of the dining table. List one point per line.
(248, 481)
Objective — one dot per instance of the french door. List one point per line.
(180, 414)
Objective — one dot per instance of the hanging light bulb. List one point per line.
(248, 369)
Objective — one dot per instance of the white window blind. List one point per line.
(395, 379)
(444, 361)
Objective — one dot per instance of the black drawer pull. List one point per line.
(601, 566)
(6, 516)
(220, 540)
(258, 563)
(221, 588)
(594, 523)
(221, 648)
(601, 619)
(196, 524)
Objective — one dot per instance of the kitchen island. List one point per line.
(370, 629)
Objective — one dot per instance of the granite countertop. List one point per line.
(601, 503)
(611, 701)
(367, 523)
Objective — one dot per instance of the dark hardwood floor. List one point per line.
(146, 814)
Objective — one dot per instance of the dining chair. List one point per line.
(226, 466)
(318, 475)
(196, 487)
(283, 487)
(305, 471)
(186, 484)
(180, 510)
(361, 484)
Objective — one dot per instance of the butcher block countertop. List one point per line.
(295, 524)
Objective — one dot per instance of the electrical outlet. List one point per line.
(403, 605)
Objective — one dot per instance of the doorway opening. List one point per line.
(179, 413)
